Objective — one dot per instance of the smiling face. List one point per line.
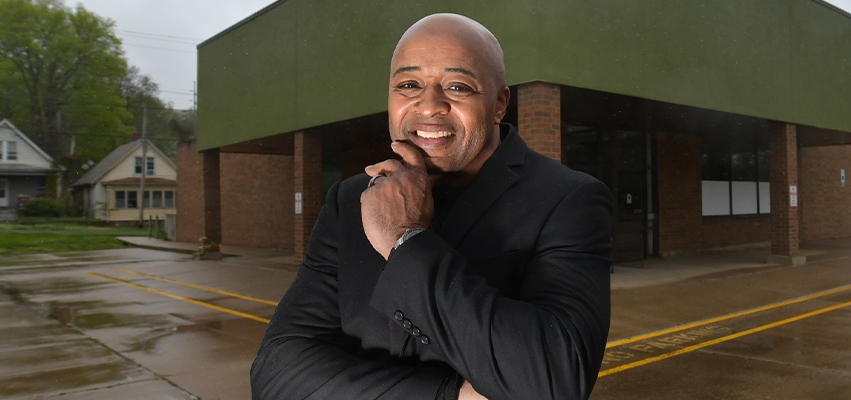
(447, 93)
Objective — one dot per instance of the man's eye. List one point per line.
(407, 85)
(457, 87)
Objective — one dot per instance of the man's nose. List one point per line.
(432, 102)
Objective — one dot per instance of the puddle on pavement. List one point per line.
(68, 379)
(127, 331)
(68, 317)
(13, 293)
(147, 341)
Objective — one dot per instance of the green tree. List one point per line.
(166, 126)
(61, 70)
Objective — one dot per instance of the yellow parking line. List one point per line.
(720, 340)
(726, 317)
(207, 288)
(186, 299)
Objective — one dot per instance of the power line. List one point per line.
(159, 48)
(182, 93)
(157, 35)
(184, 42)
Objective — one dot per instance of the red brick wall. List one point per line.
(783, 173)
(257, 200)
(307, 180)
(722, 232)
(682, 227)
(190, 194)
(825, 204)
(539, 117)
(679, 192)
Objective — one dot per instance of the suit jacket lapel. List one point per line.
(496, 176)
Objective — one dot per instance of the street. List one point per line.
(141, 324)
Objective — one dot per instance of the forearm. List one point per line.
(305, 355)
(546, 346)
(545, 341)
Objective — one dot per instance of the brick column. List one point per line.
(190, 193)
(783, 173)
(212, 204)
(307, 182)
(539, 117)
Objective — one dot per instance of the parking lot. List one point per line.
(143, 323)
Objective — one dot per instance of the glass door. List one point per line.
(618, 158)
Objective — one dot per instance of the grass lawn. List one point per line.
(67, 224)
(56, 235)
(15, 243)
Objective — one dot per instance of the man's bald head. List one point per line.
(472, 34)
(447, 94)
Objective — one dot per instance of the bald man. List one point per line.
(471, 268)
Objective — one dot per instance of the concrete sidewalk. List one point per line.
(650, 272)
(285, 256)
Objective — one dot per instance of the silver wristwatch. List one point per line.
(407, 235)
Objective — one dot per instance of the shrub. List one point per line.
(44, 207)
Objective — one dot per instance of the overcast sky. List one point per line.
(159, 36)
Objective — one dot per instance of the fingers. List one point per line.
(387, 167)
(411, 157)
(410, 154)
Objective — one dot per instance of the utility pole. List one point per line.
(144, 163)
(73, 135)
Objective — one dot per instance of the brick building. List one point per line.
(716, 124)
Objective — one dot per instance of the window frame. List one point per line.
(151, 164)
(10, 150)
(728, 180)
(123, 200)
(156, 197)
(166, 199)
(134, 198)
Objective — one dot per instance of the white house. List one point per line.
(26, 170)
(110, 190)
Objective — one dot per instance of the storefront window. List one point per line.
(735, 173)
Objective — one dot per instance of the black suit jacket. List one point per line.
(512, 294)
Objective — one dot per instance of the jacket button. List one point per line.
(398, 315)
(424, 340)
(416, 331)
(407, 324)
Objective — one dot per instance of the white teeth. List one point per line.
(433, 135)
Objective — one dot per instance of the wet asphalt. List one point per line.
(141, 323)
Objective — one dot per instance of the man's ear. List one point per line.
(501, 104)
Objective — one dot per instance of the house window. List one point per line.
(40, 186)
(735, 174)
(159, 199)
(126, 199)
(8, 151)
(11, 151)
(137, 167)
(132, 199)
(151, 199)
